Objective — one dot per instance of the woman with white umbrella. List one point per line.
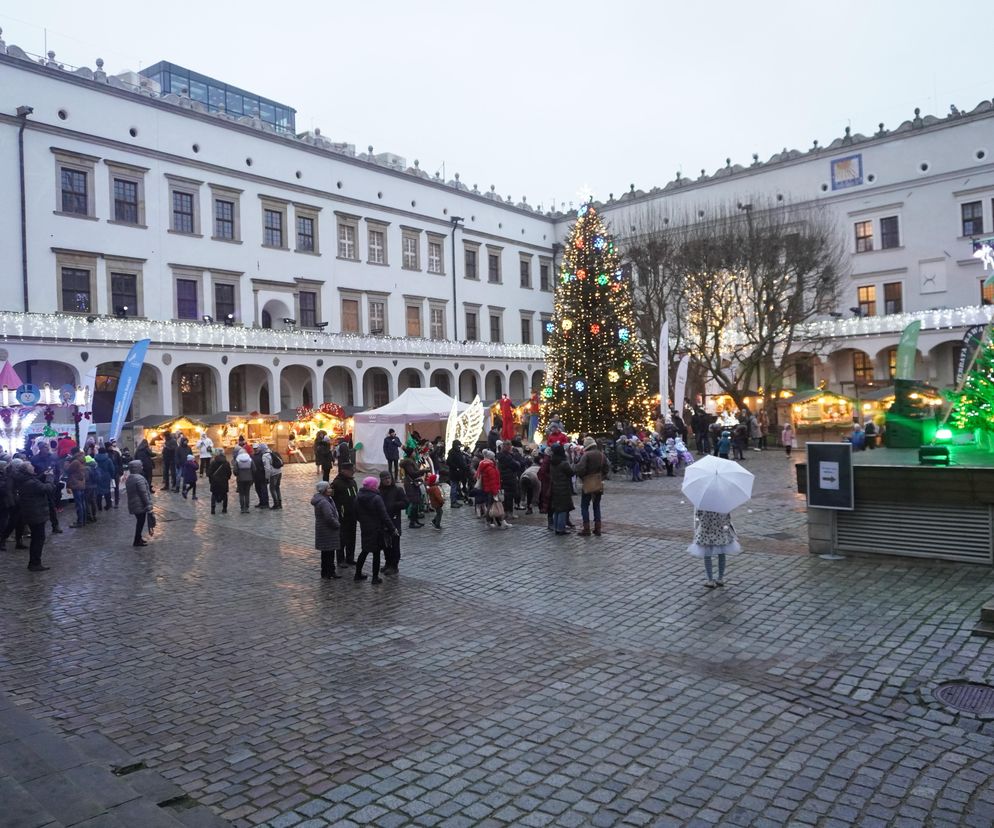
(716, 487)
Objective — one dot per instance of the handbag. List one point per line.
(496, 510)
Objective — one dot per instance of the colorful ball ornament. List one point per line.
(580, 385)
(595, 329)
(613, 376)
(549, 327)
(579, 244)
(581, 274)
(547, 392)
(623, 334)
(567, 324)
(602, 279)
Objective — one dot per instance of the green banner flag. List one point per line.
(906, 350)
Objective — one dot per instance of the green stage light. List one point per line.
(944, 434)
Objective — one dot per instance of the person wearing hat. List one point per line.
(139, 499)
(92, 488)
(375, 523)
(76, 481)
(259, 476)
(218, 475)
(344, 490)
(34, 497)
(395, 500)
(458, 472)
(561, 500)
(436, 499)
(326, 528)
(244, 474)
(591, 469)
(391, 451)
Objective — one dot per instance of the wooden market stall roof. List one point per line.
(156, 421)
(807, 396)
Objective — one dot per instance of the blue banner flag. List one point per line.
(126, 386)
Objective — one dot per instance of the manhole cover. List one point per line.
(967, 696)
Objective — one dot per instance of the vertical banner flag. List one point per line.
(906, 350)
(126, 385)
(664, 368)
(680, 386)
(972, 341)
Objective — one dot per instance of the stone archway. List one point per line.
(518, 386)
(442, 380)
(376, 384)
(273, 313)
(148, 392)
(194, 389)
(409, 378)
(494, 385)
(339, 386)
(469, 385)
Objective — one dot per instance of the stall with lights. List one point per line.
(328, 417)
(818, 415)
(155, 427)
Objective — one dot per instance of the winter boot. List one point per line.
(585, 532)
(597, 527)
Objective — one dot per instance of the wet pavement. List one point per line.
(509, 677)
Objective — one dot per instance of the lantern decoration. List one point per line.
(595, 328)
(567, 324)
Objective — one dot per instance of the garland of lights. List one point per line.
(594, 374)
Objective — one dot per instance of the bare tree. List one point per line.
(738, 285)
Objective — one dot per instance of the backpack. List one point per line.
(275, 460)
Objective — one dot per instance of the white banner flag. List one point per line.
(664, 368)
(680, 386)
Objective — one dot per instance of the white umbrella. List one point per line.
(717, 485)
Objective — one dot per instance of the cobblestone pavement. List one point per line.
(513, 677)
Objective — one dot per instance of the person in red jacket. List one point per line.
(489, 478)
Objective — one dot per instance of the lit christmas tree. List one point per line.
(973, 405)
(594, 375)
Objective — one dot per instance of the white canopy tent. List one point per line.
(424, 410)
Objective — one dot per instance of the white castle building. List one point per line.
(272, 269)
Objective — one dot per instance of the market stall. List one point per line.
(226, 428)
(307, 421)
(818, 415)
(155, 427)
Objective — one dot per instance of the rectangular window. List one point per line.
(472, 334)
(543, 277)
(889, 233)
(471, 270)
(546, 330)
(893, 299)
(350, 316)
(864, 236)
(377, 317)
(346, 242)
(305, 234)
(526, 330)
(182, 212)
(526, 273)
(125, 201)
(866, 298)
(891, 362)
(74, 194)
(224, 302)
(493, 268)
(272, 230)
(986, 293)
(434, 257)
(308, 303)
(123, 294)
(413, 320)
(973, 218)
(76, 290)
(186, 299)
(224, 219)
(862, 367)
(495, 334)
(377, 247)
(410, 252)
(437, 323)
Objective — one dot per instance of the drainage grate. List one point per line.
(967, 696)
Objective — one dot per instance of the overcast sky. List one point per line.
(546, 99)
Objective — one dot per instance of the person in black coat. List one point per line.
(168, 461)
(322, 454)
(259, 478)
(375, 524)
(458, 471)
(493, 436)
(34, 497)
(510, 468)
(146, 456)
(344, 490)
(561, 499)
(395, 502)
(6, 502)
(218, 475)
(412, 488)
(391, 451)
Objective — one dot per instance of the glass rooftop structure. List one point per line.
(219, 96)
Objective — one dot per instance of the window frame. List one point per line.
(119, 265)
(130, 174)
(545, 284)
(864, 242)
(381, 229)
(436, 268)
(870, 301)
(302, 321)
(888, 302)
(986, 293)
(544, 333)
(418, 308)
(312, 214)
(84, 165)
(357, 299)
(196, 280)
(372, 301)
(410, 237)
(496, 315)
(346, 221)
(191, 188)
(471, 312)
(525, 270)
(495, 253)
(437, 308)
(219, 316)
(471, 249)
(88, 273)
(274, 207)
(527, 322)
(859, 372)
(231, 196)
(963, 218)
(895, 236)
